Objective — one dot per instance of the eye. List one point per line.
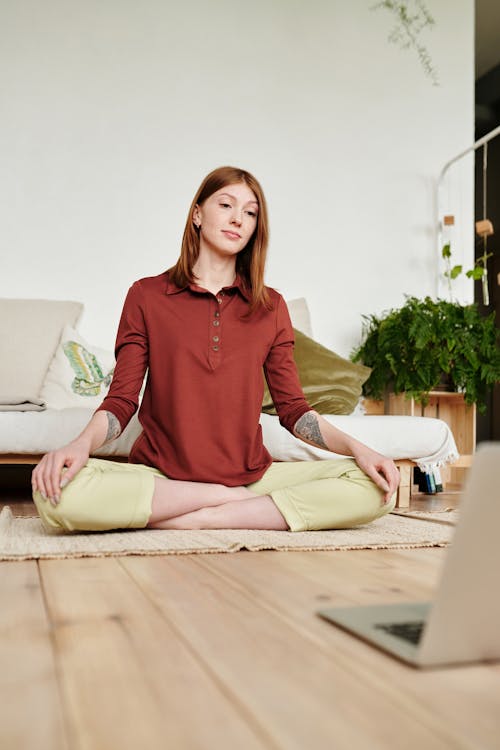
(252, 213)
(225, 205)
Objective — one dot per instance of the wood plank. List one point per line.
(451, 408)
(405, 484)
(30, 702)
(127, 676)
(464, 699)
(25, 508)
(307, 684)
(20, 458)
(35, 458)
(400, 405)
(464, 462)
(431, 409)
(373, 407)
(445, 411)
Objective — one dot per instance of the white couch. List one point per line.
(39, 412)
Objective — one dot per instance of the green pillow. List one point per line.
(331, 384)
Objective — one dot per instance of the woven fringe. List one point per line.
(429, 467)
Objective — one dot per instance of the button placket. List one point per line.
(215, 343)
(216, 339)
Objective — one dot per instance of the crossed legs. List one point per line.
(193, 505)
(299, 496)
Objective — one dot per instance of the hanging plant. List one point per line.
(479, 271)
(411, 18)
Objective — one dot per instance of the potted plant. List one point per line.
(411, 350)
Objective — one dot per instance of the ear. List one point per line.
(197, 216)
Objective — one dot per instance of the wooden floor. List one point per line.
(225, 651)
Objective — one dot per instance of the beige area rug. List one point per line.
(24, 538)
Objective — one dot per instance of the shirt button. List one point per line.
(215, 338)
(215, 348)
(217, 314)
(216, 322)
(219, 300)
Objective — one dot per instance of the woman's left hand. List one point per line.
(382, 470)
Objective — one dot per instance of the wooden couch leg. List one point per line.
(404, 490)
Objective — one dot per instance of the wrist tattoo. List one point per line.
(114, 428)
(307, 427)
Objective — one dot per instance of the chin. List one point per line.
(229, 251)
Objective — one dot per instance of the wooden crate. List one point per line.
(445, 405)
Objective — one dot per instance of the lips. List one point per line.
(231, 235)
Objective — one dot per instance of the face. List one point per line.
(227, 218)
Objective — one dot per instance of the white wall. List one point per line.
(113, 112)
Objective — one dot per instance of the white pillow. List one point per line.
(79, 375)
(299, 315)
(29, 332)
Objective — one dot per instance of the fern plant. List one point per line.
(410, 349)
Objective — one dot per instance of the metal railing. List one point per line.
(481, 142)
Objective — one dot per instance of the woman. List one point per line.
(204, 330)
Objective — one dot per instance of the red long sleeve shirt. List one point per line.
(201, 406)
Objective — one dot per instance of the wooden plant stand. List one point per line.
(445, 405)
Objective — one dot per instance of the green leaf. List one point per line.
(446, 251)
(408, 349)
(455, 271)
(475, 273)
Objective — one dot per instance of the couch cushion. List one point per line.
(427, 441)
(299, 315)
(331, 384)
(37, 433)
(79, 374)
(30, 330)
(20, 403)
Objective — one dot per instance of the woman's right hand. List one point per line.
(57, 468)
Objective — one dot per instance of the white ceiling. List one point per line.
(487, 35)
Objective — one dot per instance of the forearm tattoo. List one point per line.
(307, 427)
(114, 428)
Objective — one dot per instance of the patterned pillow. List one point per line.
(79, 375)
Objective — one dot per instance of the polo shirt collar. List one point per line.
(239, 284)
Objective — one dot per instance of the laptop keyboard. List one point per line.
(408, 631)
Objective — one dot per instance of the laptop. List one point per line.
(463, 623)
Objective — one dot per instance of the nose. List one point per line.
(236, 218)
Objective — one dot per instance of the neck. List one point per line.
(214, 273)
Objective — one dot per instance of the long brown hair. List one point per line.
(250, 261)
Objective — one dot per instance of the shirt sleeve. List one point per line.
(131, 352)
(281, 372)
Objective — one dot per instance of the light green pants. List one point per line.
(331, 494)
